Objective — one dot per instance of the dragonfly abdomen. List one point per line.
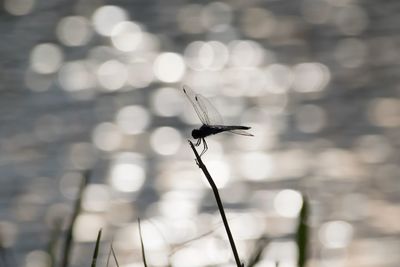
(206, 130)
(233, 127)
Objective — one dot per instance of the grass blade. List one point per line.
(302, 234)
(52, 246)
(96, 249)
(76, 211)
(114, 256)
(112, 251)
(109, 255)
(142, 244)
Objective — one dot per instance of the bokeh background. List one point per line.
(96, 85)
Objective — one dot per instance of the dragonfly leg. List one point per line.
(198, 142)
(205, 147)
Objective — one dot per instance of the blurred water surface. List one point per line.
(96, 85)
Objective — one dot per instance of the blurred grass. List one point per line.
(109, 255)
(3, 254)
(141, 243)
(96, 249)
(302, 234)
(6, 255)
(54, 238)
(255, 257)
(112, 251)
(76, 211)
(114, 256)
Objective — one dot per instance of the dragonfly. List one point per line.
(210, 118)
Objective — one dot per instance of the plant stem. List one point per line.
(219, 203)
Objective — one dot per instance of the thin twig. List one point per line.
(164, 238)
(141, 244)
(184, 244)
(196, 238)
(219, 203)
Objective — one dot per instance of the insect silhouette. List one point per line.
(211, 119)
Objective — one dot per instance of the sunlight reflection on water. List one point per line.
(289, 74)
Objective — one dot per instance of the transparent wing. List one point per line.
(241, 132)
(192, 98)
(205, 110)
(211, 113)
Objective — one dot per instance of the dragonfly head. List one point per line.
(196, 134)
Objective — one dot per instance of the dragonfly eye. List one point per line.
(195, 134)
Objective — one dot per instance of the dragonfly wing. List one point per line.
(241, 132)
(192, 98)
(211, 113)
